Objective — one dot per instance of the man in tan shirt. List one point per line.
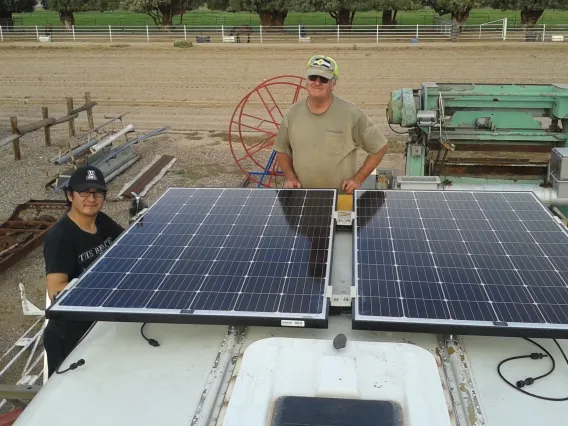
(318, 137)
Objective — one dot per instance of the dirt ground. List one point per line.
(195, 91)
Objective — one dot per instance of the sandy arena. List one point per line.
(194, 91)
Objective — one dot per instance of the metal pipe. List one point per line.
(126, 145)
(546, 195)
(75, 152)
(107, 141)
(23, 335)
(24, 348)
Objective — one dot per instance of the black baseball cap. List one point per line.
(87, 177)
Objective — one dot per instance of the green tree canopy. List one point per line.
(343, 11)
(458, 9)
(390, 9)
(161, 11)
(7, 7)
(531, 10)
(66, 8)
(272, 13)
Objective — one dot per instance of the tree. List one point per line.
(162, 12)
(531, 10)
(343, 11)
(7, 7)
(390, 9)
(67, 8)
(458, 9)
(272, 13)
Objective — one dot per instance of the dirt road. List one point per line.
(198, 88)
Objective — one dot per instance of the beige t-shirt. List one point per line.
(324, 146)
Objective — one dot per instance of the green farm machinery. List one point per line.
(486, 136)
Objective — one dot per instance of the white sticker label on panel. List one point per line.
(291, 323)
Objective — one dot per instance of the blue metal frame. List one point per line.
(266, 170)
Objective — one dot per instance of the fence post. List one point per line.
(72, 121)
(223, 33)
(89, 111)
(261, 33)
(543, 31)
(504, 29)
(1, 34)
(16, 142)
(338, 33)
(110, 33)
(46, 131)
(73, 28)
(417, 31)
(299, 33)
(377, 34)
(147, 33)
(184, 32)
(37, 33)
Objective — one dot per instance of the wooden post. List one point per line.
(89, 111)
(46, 129)
(69, 112)
(16, 142)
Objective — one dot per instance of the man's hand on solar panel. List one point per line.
(350, 185)
(71, 246)
(318, 137)
(292, 183)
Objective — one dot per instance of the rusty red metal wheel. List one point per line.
(255, 123)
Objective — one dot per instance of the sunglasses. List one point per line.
(96, 194)
(315, 77)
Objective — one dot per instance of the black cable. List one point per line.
(530, 380)
(152, 342)
(80, 362)
(399, 133)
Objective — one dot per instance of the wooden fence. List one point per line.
(47, 122)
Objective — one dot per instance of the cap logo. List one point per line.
(322, 63)
(91, 175)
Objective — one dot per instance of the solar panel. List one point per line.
(455, 261)
(214, 255)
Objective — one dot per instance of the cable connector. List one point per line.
(526, 382)
(77, 364)
(73, 366)
(536, 355)
(153, 342)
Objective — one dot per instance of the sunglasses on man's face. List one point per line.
(323, 80)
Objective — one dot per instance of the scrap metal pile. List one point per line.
(26, 228)
(97, 148)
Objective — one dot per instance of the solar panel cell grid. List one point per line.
(211, 252)
(460, 259)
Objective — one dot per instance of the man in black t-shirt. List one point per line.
(71, 246)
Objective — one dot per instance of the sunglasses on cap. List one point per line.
(315, 77)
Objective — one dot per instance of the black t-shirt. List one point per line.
(70, 250)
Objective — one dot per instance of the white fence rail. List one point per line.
(496, 31)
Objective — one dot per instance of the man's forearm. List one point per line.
(370, 164)
(286, 165)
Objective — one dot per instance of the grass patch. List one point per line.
(207, 17)
(183, 44)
